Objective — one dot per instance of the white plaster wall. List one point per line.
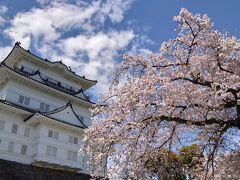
(19, 139)
(62, 144)
(37, 142)
(15, 89)
(38, 139)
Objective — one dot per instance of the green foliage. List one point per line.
(187, 153)
(176, 166)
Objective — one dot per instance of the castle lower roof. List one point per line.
(34, 114)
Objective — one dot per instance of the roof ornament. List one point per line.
(18, 43)
(2, 63)
(69, 67)
(68, 103)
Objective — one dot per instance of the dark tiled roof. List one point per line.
(46, 114)
(46, 84)
(17, 106)
(51, 62)
(55, 119)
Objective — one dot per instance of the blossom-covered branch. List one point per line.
(187, 93)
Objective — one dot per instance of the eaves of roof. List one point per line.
(21, 74)
(34, 112)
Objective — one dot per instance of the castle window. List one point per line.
(24, 149)
(24, 100)
(83, 160)
(53, 134)
(81, 118)
(10, 146)
(14, 128)
(44, 107)
(2, 125)
(73, 140)
(26, 131)
(72, 155)
(51, 151)
(50, 133)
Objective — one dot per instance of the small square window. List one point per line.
(47, 107)
(69, 155)
(51, 151)
(26, 131)
(70, 139)
(54, 151)
(24, 100)
(21, 99)
(50, 133)
(2, 125)
(44, 107)
(75, 140)
(48, 151)
(10, 146)
(72, 156)
(14, 128)
(24, 150)
(55, 135)
(82, 119)
(27, 100)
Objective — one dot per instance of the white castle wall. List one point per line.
(38, 139)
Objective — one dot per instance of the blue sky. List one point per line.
(90, 35)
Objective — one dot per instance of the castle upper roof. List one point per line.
(58, 66)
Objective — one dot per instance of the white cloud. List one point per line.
(116, 9)
(2, 21)
(3, 9)
(48, 23)
(95, 44)
(4, 52)
(92, 49)
(100, 48)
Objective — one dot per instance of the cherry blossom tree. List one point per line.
(188, 93)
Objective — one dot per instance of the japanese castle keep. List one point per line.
(43, 112)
